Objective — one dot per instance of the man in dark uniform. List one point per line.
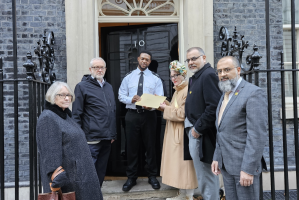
(140, 122)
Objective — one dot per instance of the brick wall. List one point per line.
(249, 18)
(33, 17)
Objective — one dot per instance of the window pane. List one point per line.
(110, 10)
(287, 49)
(287, 46)
(165, 9)
(289, 81)
(137, 7)
(286, 6)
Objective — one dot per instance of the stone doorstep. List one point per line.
(112, 190)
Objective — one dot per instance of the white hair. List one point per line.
(55, 88)
(94, 59)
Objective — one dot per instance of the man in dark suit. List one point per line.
(201, 103)
(242, 131)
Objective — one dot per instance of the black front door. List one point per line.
(120, 47)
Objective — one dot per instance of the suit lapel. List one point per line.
(231, 101)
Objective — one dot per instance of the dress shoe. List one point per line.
(154, 182)
(129, 184)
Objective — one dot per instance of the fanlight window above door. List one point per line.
(138, 7)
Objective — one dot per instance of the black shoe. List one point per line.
(154, 182)
(129, 184)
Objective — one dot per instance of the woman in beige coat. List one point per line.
(176, 171)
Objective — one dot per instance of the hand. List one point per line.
(112, 141)
(215, 169)
(136, 98)
(162, 106)
(246, 179)
(147, 108)
(194, 134)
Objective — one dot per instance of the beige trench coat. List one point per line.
(176, 171)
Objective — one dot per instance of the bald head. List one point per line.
(234, 60)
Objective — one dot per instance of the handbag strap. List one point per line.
(55, 172)
(58, 171)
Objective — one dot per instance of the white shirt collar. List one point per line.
(145, 72)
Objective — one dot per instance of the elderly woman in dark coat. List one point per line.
(61, 142)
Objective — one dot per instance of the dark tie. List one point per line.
(140, 88)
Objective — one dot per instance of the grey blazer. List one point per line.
(242, 132)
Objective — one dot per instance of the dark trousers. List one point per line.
(100, 154)
(141, 127)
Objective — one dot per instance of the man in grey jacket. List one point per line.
(241, 121)
(94, 111)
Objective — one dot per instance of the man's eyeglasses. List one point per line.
(63, 96)
(174, 76)
(192, 59)
(225, 71)
(98, 68)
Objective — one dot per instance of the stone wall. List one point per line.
(33, 17)
(250, 19)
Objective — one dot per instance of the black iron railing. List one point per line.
(1, 132)
(248, 76)
(37, 82)
(36, 97)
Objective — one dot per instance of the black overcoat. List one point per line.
(61, 142)
(201, 104)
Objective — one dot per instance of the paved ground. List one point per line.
(279, 195)
(112, 191)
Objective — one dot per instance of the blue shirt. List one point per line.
(152, 84)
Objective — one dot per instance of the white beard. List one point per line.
(228, 85)
(194, 70)
(99, 77)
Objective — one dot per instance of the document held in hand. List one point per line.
(150, 100)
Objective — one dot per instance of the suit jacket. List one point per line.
(242, 132)
(200, 108)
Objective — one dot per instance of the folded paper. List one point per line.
(149, 100)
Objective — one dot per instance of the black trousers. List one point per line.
(141, 127)
(100, 154)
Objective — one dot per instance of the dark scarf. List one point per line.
(57, 110)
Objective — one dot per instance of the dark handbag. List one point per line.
(56, 193)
